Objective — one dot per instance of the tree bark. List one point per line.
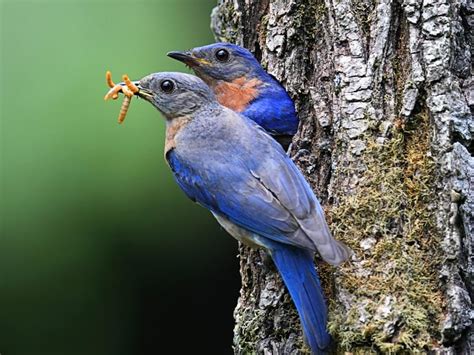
(384, 92)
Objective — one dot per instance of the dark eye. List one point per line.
(222, 55)
(167, 86)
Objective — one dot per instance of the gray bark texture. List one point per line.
(384, 92)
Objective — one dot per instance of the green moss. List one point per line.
(390, 204)
(307, 20)
(248, 334)
(227, 16)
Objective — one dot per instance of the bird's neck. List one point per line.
(176, 126)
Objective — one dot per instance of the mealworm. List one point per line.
(115, 89)
(108, 79)
(128, 91)
(133, 88)
(124, 108)
(113, 93)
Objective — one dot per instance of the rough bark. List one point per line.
(384, 91)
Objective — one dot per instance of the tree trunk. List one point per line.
(384, 92)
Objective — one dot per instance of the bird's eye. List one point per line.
(222, 55)
(167, 86)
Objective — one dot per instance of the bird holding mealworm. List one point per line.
(261, 199)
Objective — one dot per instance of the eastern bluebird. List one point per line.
(241, 84)
(229, 165)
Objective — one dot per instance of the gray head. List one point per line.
(175, 94)
(220, 61)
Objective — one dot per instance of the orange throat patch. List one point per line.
(238, 93)
(172, 129)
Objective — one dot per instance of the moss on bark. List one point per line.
(390, 223)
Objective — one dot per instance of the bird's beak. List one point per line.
(188, 58)
(143, 92)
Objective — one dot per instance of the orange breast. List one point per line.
(237, 94)
(172, 129)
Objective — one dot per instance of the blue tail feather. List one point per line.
(297, 269)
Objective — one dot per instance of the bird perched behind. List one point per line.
(228, 164)
(241, 84)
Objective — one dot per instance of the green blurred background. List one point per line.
(100, 252)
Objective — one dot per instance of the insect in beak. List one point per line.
(127, 87)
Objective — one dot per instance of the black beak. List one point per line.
(142, 92)
(185, 57)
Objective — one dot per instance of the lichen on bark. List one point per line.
(384, 92)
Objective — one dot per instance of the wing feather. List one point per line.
(264, 193)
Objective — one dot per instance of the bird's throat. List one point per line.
(238, 93)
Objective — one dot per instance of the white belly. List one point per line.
(242, 235)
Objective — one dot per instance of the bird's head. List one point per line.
(175, 94)
(219, 61)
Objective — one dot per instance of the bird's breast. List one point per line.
(173, 127)
(238, 93)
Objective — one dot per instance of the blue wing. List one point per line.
(274, 110)
(262, 192)
(245, 202)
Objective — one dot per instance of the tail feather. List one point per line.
(299, 274)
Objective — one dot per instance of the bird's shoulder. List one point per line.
(217, 127)
(173, 128)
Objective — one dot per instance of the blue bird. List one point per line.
(241, 84)
(229, 165)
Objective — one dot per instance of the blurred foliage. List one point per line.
(101, 253)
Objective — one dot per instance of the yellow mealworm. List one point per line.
(133, 88)
(115, 89)
(124, 108)
(113, 93)
(108, 79)
(128, 91)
